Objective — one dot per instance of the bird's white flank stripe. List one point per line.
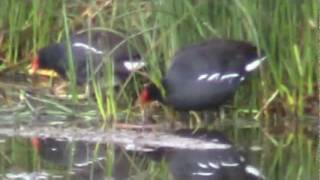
(202, 165)
(87, 47)
(202, 76)
(253, 171)
(229, 164)
(231, 75)
(254, 64)
(203, 173)
(213, 165)
(214, 76)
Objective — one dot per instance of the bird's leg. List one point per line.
(146, 124)
(87, 92)
(145, 115)
(197, 123)
(60, 89)
(184, 116)
(207, 117)
(213, 117)
(221, 114)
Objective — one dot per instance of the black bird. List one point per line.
(88, 54)
(205, 75)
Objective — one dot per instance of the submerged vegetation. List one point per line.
(281, 99)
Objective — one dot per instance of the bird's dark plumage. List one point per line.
(89, 51)
(205, 75)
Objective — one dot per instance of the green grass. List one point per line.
(285, 30)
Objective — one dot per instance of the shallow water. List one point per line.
(45, 138)
(62, 158)
(231, 154)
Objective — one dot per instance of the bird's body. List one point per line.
(205, 75)
(90, 52)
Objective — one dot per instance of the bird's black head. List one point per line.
(150, 93)
(50, 57)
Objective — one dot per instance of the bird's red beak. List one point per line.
(144, 97)
(35, 64)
